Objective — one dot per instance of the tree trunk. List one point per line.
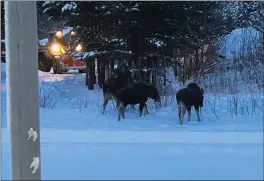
(99, 75)
(102, 76)
(22, 92)
(107, 69)
(154, 73)
(134, 46)
(112, 66)
(86, 75)
(93, 70)
(90, 75)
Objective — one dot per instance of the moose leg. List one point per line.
(146, 108)
(106, 99)
(197, 112)
(183, 110)
(121, 111)
(179, 111)
(189, 109)
(117, 102)
(141, 106)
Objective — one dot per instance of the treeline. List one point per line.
(183, 34)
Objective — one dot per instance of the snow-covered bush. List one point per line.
(242, 70)
(171, 84)
(234, 104)
(48, 95)
(79, 102)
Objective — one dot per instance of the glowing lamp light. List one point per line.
(73, 33)
(59, 34)
(55, 48)
(79, 48)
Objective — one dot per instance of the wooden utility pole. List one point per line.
(22, 89)
(0, 84)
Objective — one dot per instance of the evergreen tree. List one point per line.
(144, 28)
(2, 20)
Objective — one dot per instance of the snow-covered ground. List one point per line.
(79, 142)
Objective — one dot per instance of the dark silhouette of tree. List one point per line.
(145, 28)
(2, 20)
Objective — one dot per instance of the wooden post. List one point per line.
(22, 89)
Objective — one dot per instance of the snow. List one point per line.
(32, 133)
(35, 164)
(69, 6)
(82, 55)
(66, 30)
(43, 42)
(234, 41)
(79, 142)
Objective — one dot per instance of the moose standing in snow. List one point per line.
(136, 94)
(118, 80)
(187, 97)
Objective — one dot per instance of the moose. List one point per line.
(192, 95)
(118, 80)
(136, 94)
